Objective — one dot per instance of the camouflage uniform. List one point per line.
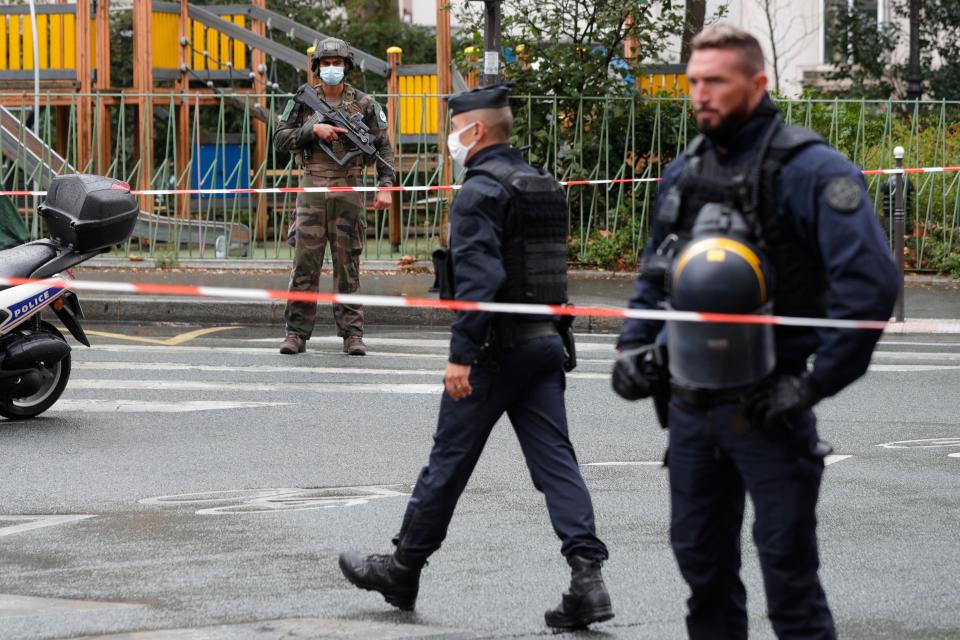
(335, 218)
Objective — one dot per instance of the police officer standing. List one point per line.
(755, 217)
(337, 219)
(508, 242)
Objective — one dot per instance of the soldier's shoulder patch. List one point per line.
(287, 110)
(381, 114)
(844, 194)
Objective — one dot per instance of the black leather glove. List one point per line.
(769, 405)
(630, 379)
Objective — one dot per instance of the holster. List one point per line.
(659, 375)
(506, 333)
(565, 328)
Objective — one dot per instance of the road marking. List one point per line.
(240, 501)
(832, 458)
(78, 405)
(212, 385)
(918, 355)
(911, 368)
(29, 523)
(294, 628)
(625, 463)
(17, 606)
(925, 443)
(256, 368)
(169, 342)
(374, 342)
(953, 455)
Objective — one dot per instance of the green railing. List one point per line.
(574, 138)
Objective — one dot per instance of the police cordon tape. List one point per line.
(451, 305)
(422, 188)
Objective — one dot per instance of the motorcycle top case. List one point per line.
(89, 213)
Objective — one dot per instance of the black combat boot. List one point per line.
(398, 583)
(586, 601)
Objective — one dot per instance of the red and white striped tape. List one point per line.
(269, 190)
(452, 305)
(421, 188)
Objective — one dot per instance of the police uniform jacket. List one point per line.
(839, 225)
(478, 217)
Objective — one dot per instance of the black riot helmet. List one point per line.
(332, 48)
(720, 271)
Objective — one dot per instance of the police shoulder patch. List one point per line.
(287, 110)
(844, 194)
(467, 226)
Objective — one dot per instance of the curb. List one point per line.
(182, 310)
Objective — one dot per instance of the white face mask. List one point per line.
(458, 150)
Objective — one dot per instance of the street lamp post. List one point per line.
(914, 77)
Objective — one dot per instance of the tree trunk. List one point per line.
(693, 18)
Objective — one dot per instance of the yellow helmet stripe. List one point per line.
(725, 244)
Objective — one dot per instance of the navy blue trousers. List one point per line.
(712, 465)
(528, 386)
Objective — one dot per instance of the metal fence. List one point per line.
(574, 138)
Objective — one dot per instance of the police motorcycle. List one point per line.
(85, 215)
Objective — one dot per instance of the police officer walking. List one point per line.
(337, 219)
(508, 242)
(754, 217)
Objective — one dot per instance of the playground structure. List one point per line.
(195, 68)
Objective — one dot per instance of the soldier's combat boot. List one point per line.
(398, 583)
(587, 600)
(353, 346)
(293, 344)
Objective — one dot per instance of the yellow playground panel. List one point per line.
(57, 42)
(418, 102)
(220, 48)
(664, 80)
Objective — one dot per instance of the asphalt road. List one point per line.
(219, 480)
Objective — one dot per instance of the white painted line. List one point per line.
(37, 522)
(883, 343)
(953, 455)
(240, 501)
(211, 385)
(261, 368)
(831, 459)
(942, 356)
(625, 463)
(911, 368)
(375, 343)
(78, 405)
(924, 443)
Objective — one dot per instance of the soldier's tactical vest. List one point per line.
(800, 282)
(534, 235)
(316, 159)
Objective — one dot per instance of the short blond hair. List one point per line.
(726, 36)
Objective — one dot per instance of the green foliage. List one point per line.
(615, 250)
(862, 50)
(575, 47)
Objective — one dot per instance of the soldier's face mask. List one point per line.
(458, 150)
(331, 75)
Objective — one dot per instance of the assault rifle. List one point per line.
(357, 133)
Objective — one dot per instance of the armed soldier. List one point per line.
(335, 218)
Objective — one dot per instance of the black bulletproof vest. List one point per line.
(534, 235)
(800, 285)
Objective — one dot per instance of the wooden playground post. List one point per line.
(473, 75)
(444, 87)
(182, 160)
(258, 62)
(394, 57)
(104, 144)
(83, 77)
(143, 85)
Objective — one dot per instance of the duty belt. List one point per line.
(702, 398)
(352, 172)
(511, 333)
